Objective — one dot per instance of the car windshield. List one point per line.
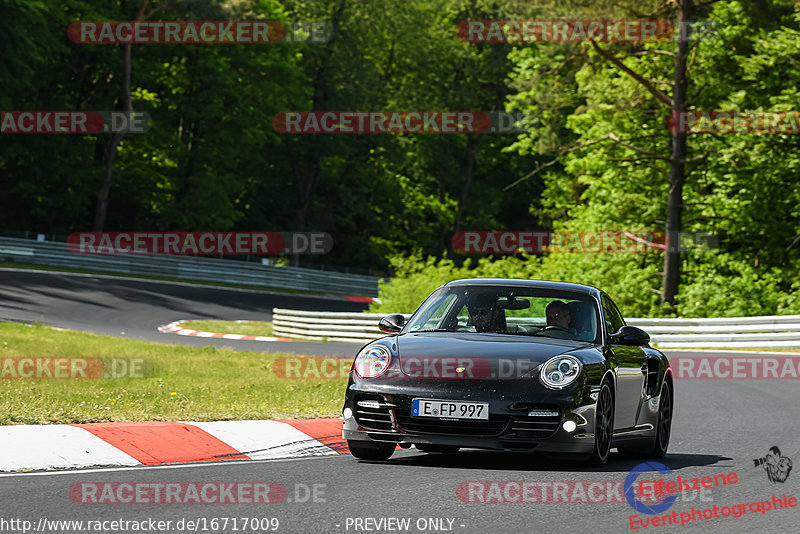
(517, 310)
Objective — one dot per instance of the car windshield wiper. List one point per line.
(432, 330)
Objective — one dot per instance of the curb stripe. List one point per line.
(265, 440)
(175, 328)
(160, 442)
(326, 431)
(354, 298)
(56, 447)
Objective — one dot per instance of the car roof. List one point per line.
(542, 284)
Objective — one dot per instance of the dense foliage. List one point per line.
(214, 161)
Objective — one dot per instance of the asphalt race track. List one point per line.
(720, 426)
(124, 307)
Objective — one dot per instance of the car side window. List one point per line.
(612, 316)
(437, 315)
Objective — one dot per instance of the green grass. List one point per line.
(187, 383)
(16, 265)
(247, 328)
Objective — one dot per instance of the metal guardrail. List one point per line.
(190, 268)
(762, 331)
(327, 326)
(765, 331)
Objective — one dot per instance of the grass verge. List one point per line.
(186, 383)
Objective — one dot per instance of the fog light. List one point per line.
(570, 426)
(373, 404)
(347, 413)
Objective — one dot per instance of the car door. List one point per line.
(629, 362)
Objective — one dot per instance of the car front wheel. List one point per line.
(368, 450)
(603, 426)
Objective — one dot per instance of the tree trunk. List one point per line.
(672, 254)
(469, 170)
(101, 208)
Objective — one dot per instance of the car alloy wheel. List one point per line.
(604, 426)
(664, 422)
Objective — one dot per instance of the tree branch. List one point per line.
(639, 78)
(561, 154)
(653, 155)
(654, 51)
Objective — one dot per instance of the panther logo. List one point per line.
(778, 467)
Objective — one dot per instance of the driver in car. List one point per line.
(486, 315)
(558, 315)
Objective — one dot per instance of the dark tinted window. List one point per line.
(612, 317)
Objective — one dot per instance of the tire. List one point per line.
(369, 450)
(437, 448)
(603, 426)
(658, 448)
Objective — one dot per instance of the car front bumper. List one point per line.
(516, 422)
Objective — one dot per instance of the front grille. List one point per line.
(379, 418)
(536, 427)
(465, 427)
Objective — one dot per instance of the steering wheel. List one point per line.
(555, 327)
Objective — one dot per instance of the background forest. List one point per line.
(598, 157)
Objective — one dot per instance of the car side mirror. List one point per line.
(392, 323)
(630, 335)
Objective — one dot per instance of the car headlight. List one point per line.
(559, 372)
(372, 362)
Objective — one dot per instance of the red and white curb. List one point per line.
(43, 447)
(176, 328)
(368, 300)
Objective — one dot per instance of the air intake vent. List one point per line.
(466, 427)
(541, 422)
(372, 411)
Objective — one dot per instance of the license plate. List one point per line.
(449, 409)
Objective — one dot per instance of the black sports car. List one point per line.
(510, 365)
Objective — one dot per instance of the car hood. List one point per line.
(486, 345)
(466, 364)
(485, 348)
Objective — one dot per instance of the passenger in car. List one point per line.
(580, 320)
